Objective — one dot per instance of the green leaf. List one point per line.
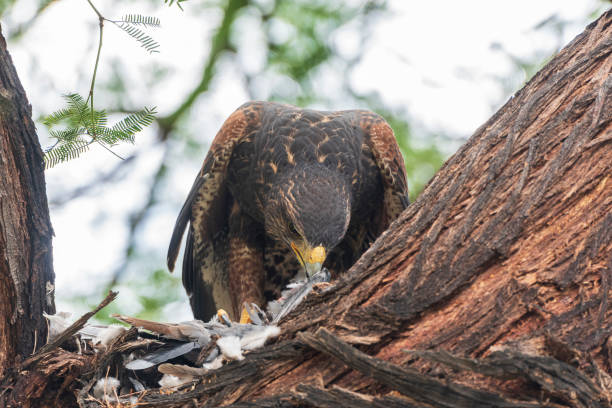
(66, 135)
(57, 117)
(143, 38)
(171, 2)
(65, 152)
(81, 120)
(137, 19)
(125, 129)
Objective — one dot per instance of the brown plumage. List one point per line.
(281, 187)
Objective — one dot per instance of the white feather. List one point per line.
(257, 338)
(230, 347)
(213, 365)
(172, 381)
(106, 388)
(107, 335)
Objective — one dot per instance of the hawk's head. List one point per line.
(309, 210)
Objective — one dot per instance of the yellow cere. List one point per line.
(317, 255)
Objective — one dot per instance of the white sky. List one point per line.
(433, 59)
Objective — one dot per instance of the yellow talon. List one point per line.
(223, 317)
(244, 317)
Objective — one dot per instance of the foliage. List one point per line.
(84, 126)
(178, 3)
(5, 5)
(129, 24)
(307, 46)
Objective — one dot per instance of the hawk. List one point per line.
(284, 191)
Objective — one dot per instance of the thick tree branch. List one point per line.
(26, 265)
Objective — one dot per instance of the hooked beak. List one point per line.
(310, 258)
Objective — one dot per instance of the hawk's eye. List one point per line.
(292, 229)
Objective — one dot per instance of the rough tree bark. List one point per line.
(26, 267)
(492, 289)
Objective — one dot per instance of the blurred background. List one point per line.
(435, 70)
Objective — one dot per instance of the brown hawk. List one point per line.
(283, 191)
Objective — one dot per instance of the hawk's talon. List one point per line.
(224, 317)
(245, 318)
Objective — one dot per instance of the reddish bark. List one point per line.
(26, 267)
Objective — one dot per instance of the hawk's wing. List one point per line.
(206, 209)
(380, 139)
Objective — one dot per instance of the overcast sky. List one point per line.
(440, 61)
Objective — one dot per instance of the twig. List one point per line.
(90, 96)
(66, 334)
(110, 151)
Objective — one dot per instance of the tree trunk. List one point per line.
(26, 266)
(492, 289)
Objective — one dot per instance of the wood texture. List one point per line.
(26, 267)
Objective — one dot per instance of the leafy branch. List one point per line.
(84, 124)
(129, 24)
(171, 2)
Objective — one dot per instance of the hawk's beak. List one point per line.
(314, 260)
(310, 258)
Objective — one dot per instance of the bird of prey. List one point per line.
(284, 191)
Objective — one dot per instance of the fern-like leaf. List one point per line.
(171, 2)
(125, 129)
(143, 38)
(76, 109)
(80, 112)
(145, 21)
(84, 126)
(57, 117)
(65, 152)
(96, 122)
(75, 100)
(67, 135)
